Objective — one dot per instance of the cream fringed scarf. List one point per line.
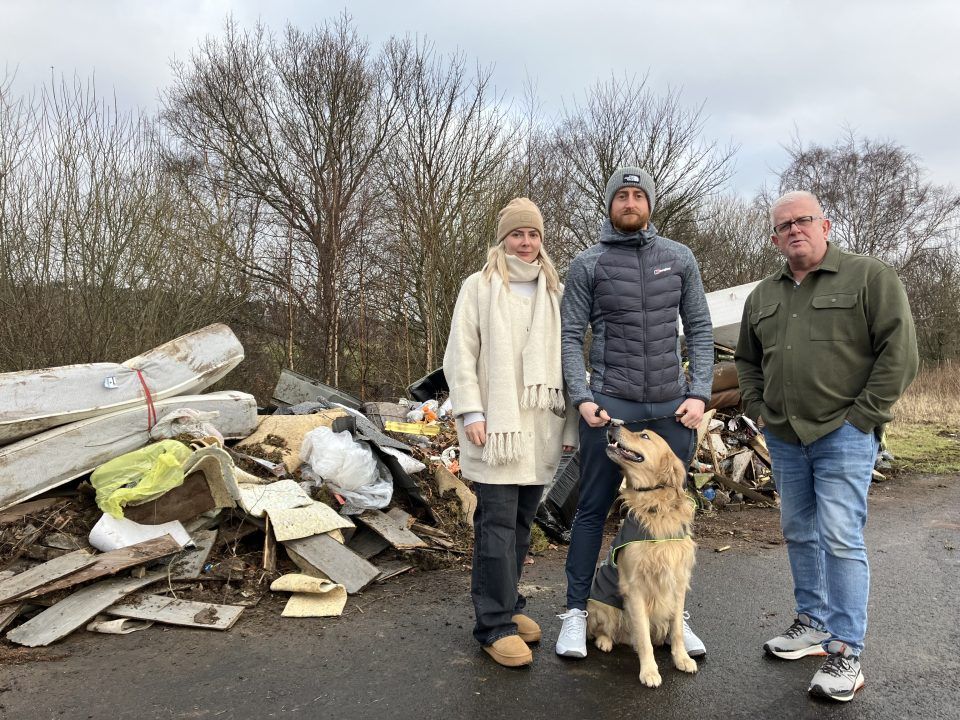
(541, 371)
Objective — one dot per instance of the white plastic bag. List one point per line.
(339, 460)
(186, 421)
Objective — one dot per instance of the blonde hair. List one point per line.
(497, 263)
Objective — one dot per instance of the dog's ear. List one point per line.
(672, 470)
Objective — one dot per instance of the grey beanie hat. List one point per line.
(633, 177)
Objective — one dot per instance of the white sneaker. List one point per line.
(573, 635)
(694, 645)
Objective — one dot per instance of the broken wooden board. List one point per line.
(759, 446)
(336, 561)
(367, 543)
(742, 489)
(8, 613)
(446, 480)
(41, 575)
(181, 503)
(110, 563)
(60, 620)
(314, 519)
(392, 568)
(170, 611)
(741, 461)
(189, 565)
(392, 530)
(18, 512)
(704, 427)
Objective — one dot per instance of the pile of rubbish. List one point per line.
(127, 498)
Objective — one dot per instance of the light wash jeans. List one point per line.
(823, 510)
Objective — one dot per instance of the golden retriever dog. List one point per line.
(650, 563)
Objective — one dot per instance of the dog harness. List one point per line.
(606, 588)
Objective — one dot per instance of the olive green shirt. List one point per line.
(839, 346)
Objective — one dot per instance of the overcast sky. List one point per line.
(764, 71)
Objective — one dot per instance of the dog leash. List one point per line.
(617, 422)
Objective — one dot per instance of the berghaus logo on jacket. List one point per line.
(661, 270)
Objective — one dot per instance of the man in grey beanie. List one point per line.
(630, 288)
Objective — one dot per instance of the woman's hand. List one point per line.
(690, 413)
(593, 414)
(477, 432)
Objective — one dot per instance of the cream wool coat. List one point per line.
(543, 432)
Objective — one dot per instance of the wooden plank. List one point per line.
(337, 562)
(742, 489)
(269, 547)
(741, 461)
(171, 611)
(41, 575)
(18, 512)
(182, 503)
(391, 529)
(189, 565)
(392, 568)
(8, 613)
(75, 611)
(110, 563)
(759, 446)
(366, 543)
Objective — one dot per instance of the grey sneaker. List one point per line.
(840, 675)
(573, 635)
(798, 641)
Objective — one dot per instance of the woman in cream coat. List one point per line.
(502, 364)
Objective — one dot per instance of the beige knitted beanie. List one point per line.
(519, 213)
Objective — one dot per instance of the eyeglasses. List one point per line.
(801, 222)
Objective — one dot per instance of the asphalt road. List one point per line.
(407, 652)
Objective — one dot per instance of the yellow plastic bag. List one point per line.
(139, 476)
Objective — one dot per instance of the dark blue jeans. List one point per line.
(501, 538)
(600, 479)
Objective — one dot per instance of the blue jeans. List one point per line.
(823, 510)
(600, 479)
(501, 530)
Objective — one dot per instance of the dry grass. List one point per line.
(925, 433)
(934, 397)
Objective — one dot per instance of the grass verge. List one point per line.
(925, 434)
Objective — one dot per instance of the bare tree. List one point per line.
(449, 169)
(295, 124)
(622, 122)
(877, 196)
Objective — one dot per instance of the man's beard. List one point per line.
(630, 222)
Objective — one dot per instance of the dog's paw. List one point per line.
(603, 643)
(685, 663)
(650, 677)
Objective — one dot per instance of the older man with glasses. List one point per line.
(827, 345)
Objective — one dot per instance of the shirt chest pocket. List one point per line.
(764, 323)
(836, 317)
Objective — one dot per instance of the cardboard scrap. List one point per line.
(292, 428)
(301, 522)
(256, 500)
(312, 597)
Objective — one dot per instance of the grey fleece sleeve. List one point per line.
(698, 330)
(574, 317)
